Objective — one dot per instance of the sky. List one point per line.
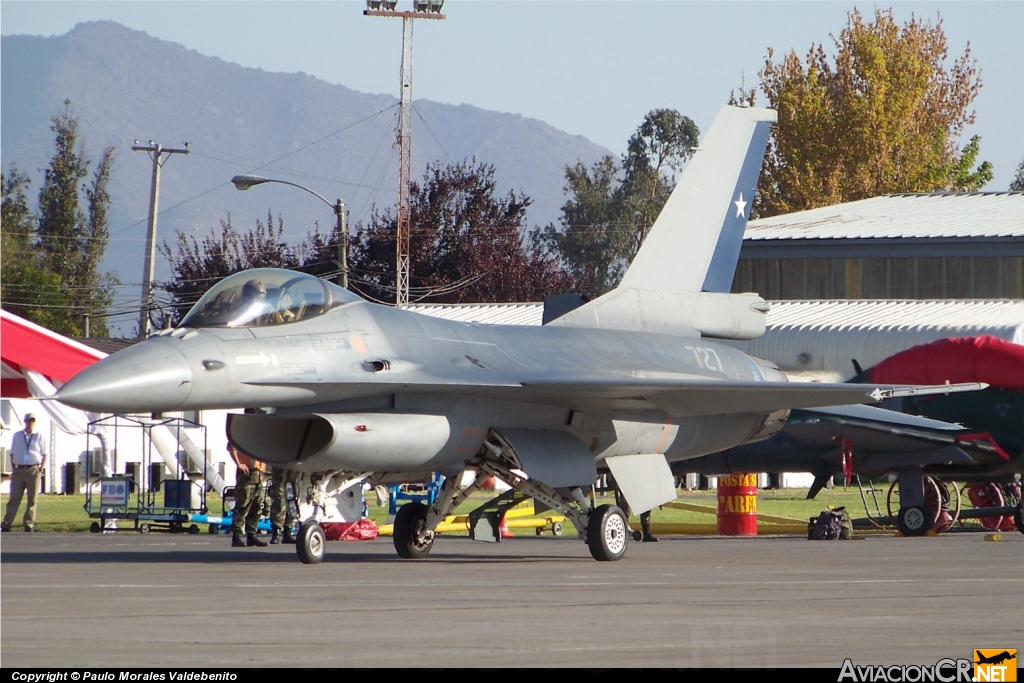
(588, 67)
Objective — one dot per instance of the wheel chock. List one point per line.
(993, 537)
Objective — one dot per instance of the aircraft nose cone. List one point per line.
(148, 377)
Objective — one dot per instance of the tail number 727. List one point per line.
(706, 358)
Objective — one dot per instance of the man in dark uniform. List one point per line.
(282, 516)
(645, 517)
(249, 477)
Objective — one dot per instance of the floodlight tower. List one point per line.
(423, 9)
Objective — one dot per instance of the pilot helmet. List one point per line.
(254, 290)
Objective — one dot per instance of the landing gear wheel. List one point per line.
(412, 540)
(914, 521)
(94, 528)
(607, 533)
(933, 504)
(310, 543)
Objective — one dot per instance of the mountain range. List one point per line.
(125, 85)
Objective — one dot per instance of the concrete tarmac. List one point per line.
(80, 600)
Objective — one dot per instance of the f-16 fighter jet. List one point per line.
(347, 391)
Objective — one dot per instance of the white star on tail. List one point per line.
(740, 207)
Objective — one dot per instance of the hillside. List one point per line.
(127, 85)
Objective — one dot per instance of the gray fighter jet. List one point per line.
(348, 391)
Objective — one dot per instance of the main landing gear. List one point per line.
(605, 528)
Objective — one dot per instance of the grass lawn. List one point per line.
(67, 513)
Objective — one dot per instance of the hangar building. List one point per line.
(867, 279)
(904, 246)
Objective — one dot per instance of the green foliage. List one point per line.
(665, 140)
(26, 287)
(593, 237)
(882, 116)
(1018, 180)
(606, 220)
(51, 259)
(961, 176)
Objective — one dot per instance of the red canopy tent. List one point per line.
(24, 344)
(996, 362)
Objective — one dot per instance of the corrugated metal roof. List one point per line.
(820, 337)
(919, 216)
(825, 336)
(491, 314)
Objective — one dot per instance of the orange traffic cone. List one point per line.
(504, 530)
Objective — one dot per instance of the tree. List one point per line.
(883, 116)
(665, 140)
(26, 287)
(198, 265)
(466, 243)
(593, 235)
(606, 220)
(1018, 180)
(52, 258)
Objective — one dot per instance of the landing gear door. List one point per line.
(645, 480)
(555, 458)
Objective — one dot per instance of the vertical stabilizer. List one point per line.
(695, 242)
(679, 281)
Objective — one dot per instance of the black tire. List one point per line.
(1018, 517)
(556, 529)
(94, 528)
(193, 529)
(637, 536)
(914, 521)
(144, 529)
(310, 544)
(410, 540)
(607, 533)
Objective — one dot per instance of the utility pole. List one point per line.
(425, 9)
(339, 212)
(156, 153)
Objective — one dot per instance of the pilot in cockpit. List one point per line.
(253, 291)
(252, 303)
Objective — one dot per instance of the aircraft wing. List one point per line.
(693, 397)
(680, 397)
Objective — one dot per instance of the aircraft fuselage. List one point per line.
(377, 375)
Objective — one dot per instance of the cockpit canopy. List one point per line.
(265, 297)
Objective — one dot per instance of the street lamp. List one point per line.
(245, 181)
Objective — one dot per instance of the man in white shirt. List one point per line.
(28, 456)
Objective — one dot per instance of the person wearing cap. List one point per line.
(249, 480)
(28, 456)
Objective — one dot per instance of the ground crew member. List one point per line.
(645, 525)
(248, 499)
(281, 514)
(28, 458)
(645, 517)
